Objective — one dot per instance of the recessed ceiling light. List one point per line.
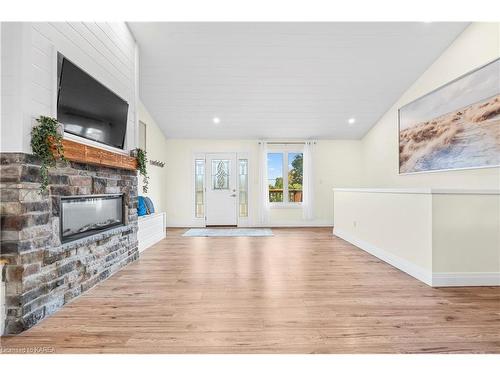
(351, 121)
(216, 120)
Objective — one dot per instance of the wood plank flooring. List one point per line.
(301, 291)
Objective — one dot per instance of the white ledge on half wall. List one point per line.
(420, 191)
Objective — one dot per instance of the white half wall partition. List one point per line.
(442, 237)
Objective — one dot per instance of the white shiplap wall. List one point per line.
(12, 136)
(106, 51)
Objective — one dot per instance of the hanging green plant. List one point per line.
(141, 157)
(46, 143)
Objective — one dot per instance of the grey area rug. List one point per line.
(228, 232)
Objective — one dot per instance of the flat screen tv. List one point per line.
(89, 109)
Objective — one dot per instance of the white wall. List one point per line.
(396, 227)
(156, 147)
(338, 163)
(444, 239)
(11, 93)
(466, 232)
(465, 228)
(477, 45)
(107, 51)
(179, 168)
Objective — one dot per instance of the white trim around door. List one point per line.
(221, 205)
(221, 189)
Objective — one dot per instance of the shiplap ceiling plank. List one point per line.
(269, 80)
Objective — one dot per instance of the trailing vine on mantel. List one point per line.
(141, 157)
(46, 143)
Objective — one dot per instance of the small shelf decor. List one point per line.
(142, 160)
(46, 143)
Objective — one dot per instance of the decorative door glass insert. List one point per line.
(243, 187)
(199, 188)
(220, 174)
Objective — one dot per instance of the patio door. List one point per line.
(221, 189)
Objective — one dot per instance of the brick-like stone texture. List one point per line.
(42, 274)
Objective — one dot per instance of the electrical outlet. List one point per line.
(354, 223)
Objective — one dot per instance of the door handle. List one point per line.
(233, 195)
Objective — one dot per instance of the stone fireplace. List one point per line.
(61, 243)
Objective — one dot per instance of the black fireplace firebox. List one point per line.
(85, 215)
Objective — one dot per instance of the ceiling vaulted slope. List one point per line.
(281, 80)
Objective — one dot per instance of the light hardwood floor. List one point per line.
(301, 291)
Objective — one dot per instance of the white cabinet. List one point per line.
(152, 229)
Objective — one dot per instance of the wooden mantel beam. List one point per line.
(82, 153)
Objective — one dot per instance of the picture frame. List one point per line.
(454, 127)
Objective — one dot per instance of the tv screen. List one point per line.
(89, 109)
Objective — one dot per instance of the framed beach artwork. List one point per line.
(456, 126)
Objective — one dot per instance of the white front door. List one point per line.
(221, 183)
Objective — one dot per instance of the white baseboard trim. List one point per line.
(273, 225)
(443, 279)
(394, 260)
(184, 225)
(296, 225)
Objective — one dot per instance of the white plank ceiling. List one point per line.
(280, 80)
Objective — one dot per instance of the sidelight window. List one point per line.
(243, 187)
(199, 188)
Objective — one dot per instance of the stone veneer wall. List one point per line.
(42, 274)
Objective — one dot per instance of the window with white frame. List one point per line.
(285, 176)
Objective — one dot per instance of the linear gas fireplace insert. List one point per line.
(85, 215)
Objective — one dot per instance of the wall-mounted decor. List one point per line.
(157, 163)
(456, 126)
